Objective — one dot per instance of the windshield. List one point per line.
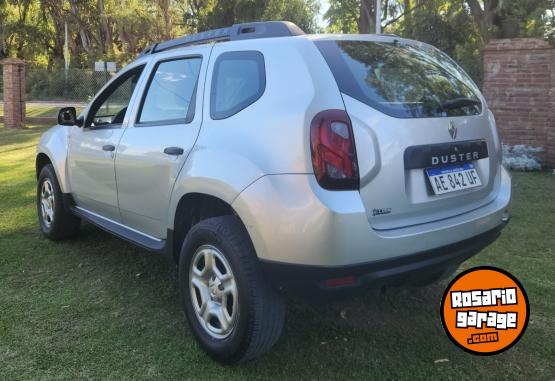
(401, 80)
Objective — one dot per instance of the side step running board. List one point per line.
(128, 234)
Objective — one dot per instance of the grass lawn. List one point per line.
(42, 109)
(97, 307)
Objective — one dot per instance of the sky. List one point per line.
(324, 5)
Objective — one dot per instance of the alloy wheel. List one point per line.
(213, 292)
(47, 203)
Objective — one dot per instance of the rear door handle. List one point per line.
(173, 151)
(108, 147)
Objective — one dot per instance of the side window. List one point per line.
(170, 93)
(238, 81)
(110, 107)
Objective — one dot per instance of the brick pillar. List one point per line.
(14, 93)
(519, 85)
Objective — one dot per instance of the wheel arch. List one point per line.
(41, 161)
(192, 208)
(52, 149)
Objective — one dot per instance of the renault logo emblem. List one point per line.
(452, 130)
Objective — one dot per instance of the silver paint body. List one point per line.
(258, 161)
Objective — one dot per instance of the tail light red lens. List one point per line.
(340, 282)
(334, 158)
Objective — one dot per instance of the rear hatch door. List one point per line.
(427, 148)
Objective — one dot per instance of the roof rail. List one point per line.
(244, 31)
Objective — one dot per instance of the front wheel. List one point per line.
(56, 222)
(233, 313)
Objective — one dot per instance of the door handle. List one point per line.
(108, 147)
(173, 151)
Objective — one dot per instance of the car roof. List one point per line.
(261, 32)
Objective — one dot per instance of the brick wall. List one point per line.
(14, 92)
(519, 86)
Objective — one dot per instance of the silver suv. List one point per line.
(260, 159)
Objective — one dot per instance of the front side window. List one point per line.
(170, 94)
(110, 107)
(400, 79)
(239, 80)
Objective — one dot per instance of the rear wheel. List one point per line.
(233, 313)
(56, 222)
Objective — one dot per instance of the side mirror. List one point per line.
(67, 116)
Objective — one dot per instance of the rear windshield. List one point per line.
(401, 80)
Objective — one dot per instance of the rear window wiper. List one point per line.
(459, 102)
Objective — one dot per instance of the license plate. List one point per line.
(453, 178)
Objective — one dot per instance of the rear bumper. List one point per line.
(293, 221)
(408, 269)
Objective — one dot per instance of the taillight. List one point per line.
(334, 157)
(340, 282)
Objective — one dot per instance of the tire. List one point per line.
(56, 222)
(257, 312)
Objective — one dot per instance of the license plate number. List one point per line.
(453, 178)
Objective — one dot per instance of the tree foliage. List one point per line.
(118, 29)
(458, 27)
(509, 18)
(209, 14)
(491, 18)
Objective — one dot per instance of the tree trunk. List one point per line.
(128, 39)
(367, 16)
(105, 31)
(406, 9)
(164, 6)
(83, 35)
(486, 17)
(58, 20)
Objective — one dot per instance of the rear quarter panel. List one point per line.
(271, 136)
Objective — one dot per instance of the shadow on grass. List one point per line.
(24, 136)
(125, 300)
(309, 324)
(119, 306)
